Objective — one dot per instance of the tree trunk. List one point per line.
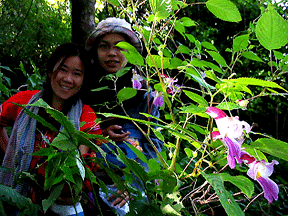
(83, 20)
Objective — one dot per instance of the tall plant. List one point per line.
(197, 149)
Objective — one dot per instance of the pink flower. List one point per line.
(136, 80)
(158, 98)
(231, 133)
(171, 87)
(261, 171)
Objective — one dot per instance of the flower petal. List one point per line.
(270, 188)
(234, 151)
(215, 112)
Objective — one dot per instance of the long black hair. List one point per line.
(61, 53)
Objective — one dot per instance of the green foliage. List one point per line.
(216, 64)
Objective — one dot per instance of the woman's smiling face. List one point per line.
(66, 80)
(110, 57)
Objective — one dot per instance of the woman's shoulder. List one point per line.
(23, 97)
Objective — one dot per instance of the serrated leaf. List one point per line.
(256, 82)
(272, 29)
(224, 10)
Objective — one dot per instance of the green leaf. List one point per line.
(161, 8)
(131, 53)
(168, 180)
(197, 98)
(209, 46)
(158, 61)
(243, 183)
(218, 58)
(64, 142)
(172, 204)
(252, 56)
(229, 106)
(193, 109)
(126, 94)
(272, 30)
(224, 10)
(256, 82)
(241, 42)
(80, 167)
(18, 200)
(271, 146)
(56, 191)
(226, 198)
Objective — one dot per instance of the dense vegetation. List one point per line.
(229, 54)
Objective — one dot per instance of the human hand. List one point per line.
(115, 133)
(120, 201)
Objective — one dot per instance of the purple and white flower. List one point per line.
(136, 80)
(158, 98)
(261, 171)
(231, 133)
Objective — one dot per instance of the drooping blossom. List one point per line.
(231, 133)
(172, 88)
(261, 171)
(136, 80)
(158, 98)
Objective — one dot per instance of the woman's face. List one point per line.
(110, 57)
(66, 80)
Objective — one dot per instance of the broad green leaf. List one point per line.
(224, 10)
(272, 29)
(161, 62)
(241, 42)
(186, 21)
(131, 53)
(197, 98)
(218, 58)
(169, 182)
(126, 94)
(256, 82)
(271, 146)
(243, 183)
(252, 56)
(226, 198)
(209, 46)
(161, 8)
(64, 142)
(153, 165)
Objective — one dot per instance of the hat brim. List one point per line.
(109, 29)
